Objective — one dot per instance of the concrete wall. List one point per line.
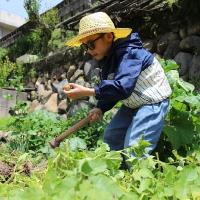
(8, 99)
(9, 22)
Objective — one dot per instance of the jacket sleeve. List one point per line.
(105, 106)
(128, 70)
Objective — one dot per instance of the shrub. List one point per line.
(11, 74)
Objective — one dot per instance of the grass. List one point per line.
(4, 122)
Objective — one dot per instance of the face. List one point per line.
(98, 45)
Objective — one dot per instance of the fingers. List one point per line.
(94, 117)
(69, 86)
(70, 90)
(73, 85)
(95, 114)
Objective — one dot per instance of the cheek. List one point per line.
(103, 48)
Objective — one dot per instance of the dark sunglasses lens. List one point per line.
(91, 45)
(85, 47)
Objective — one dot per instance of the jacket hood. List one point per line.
(133, 40)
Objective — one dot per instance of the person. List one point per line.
(130, 74)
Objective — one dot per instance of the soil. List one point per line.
(5, 171)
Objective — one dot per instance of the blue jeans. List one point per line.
(128, 125)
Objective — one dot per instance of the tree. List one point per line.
(32, 8)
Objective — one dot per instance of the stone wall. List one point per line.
(182, 45)
(49, 87)
(8, 99)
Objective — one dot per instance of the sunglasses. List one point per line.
(91, 43)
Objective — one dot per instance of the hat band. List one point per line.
(97, 30)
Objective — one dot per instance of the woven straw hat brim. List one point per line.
(118, 32)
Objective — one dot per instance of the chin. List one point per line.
(98, 57)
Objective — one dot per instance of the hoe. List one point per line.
(56, 141)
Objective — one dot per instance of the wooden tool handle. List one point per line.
(56, 142)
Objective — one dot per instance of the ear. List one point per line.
(109, 37)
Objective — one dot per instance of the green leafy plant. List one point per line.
(77, 174)
(50, 19)
(56, 41)
(31, 131)
(11, 74)
(4, 122)
(182, 124)
(32, 8)
(30, 43)
(3, 53)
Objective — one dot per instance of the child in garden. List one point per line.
(130, 74)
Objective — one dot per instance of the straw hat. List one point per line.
(98, 22)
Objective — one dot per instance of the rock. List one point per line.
(63, 75)
(62, 107)
(185, 77)
(40, 89)
(27, 167)
(33, 79)
(56, 57)
(92, 100)
(58, 86)
(66, 67)
(183, 33)
(161, 46)
(27, 58)
(193, 29)
(71, 71)
(43, 94)
(5, 170)
(30, 85)
(88, 67)
(33, 95)
(165, 40)
(38, 82)
(191, 44)
(80, 65)
(149, 45)
(184, 60)
(3, 136)
(80, 80)
(76, 106)
(77, 73)
(46, 75)
(49, 85)
(95, 76)
(171, 36)
(57, 74)
(35, 105)
(87, 84)
(172, 50)
(52, 104)
(194, 70)
(39, 107)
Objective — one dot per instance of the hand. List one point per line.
(95, 114)
(77, 91)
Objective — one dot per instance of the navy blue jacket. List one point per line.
(126, 59)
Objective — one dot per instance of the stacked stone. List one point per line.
(182, 45)
(49, 88)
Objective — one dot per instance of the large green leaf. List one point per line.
(180, 131)
(188, 87)
(172, 76)
(93, 166)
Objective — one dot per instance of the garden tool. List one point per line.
(56, 141)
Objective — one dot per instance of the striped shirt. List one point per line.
(151, 87)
